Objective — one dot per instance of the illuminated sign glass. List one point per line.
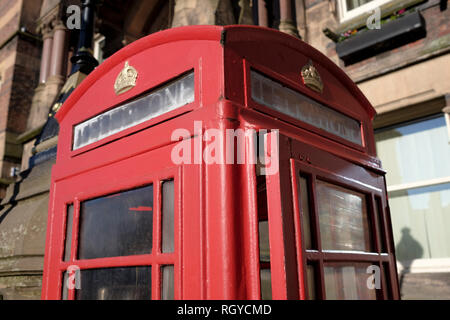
(155, 103)
(278, 97)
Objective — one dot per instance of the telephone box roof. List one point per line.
(224, 35)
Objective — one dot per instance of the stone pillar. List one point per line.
(40, 105)
(59, 50)
(46, 54)
(263, 19)
(300, 13)
(52, 75)
(287, 24)
(246, 12)
(58, 61)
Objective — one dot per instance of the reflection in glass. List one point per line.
(167, 283)
(425, 141)
(68, 240)
(311, 281)
(348, 282)
(379, 222)
(263, 241)
(303, 192)
(266, 284)
(65, 289)
(421, 220)
(127, 283)
(264, 249)
(352, 4)
(117, 225)
(343, 218)
(168, 203)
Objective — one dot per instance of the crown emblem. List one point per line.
(311, 77)
(126, 79)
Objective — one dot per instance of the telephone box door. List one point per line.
(119, 232)
(335, 225)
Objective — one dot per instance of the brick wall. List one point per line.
(25, 80)
(10, 11)
(19, 70)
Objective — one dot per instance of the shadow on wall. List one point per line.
(407, 250)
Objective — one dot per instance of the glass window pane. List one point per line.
(167, 284)
(348, 281)
(117, 225)
(420, 216)
(68, 241)
(65, 289)
(264, 248)
(421, 223)
(343, 219)
(426, 142)
(352, 4)
(127, 283)
(168, 202)
(379, 221)
(266, 284)
(311, 281)
(303, 192)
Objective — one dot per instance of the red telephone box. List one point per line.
(209, 162)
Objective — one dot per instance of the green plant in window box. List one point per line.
(352, 32)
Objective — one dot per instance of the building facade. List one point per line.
(397, 51)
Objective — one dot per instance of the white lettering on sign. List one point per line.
(274, 95)
(170, 97)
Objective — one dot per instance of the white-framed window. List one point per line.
(416, 156)
(99, 44)
(349, 9)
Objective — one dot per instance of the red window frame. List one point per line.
(288, 255)
(156, 259)
(283, 261)
(318, 256)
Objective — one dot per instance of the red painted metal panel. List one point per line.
(283, 262)
(301, 261)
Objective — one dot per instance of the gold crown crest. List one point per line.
(311, 77)
(126, 79)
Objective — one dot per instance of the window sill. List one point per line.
(416, 185)
(393, 34)
(386, 9)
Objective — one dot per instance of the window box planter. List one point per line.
(393, 34)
